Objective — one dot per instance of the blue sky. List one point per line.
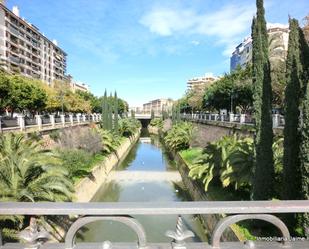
(148, 49)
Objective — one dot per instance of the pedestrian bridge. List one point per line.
(173, 176)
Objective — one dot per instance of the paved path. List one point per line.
(146, 176)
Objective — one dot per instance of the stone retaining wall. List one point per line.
(87, 188)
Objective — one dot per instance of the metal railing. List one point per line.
(34, 236)
(278, 120)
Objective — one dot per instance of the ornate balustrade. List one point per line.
(278, 120)
(36, 237)
(40, 122)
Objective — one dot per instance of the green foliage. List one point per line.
(190, 155)
(110, 141)
(157, 122)
(291, 170)
(29, 173)
(116, 114)
(54, 135)
(128, 127)
(304, 157)
(235, 85)
(76, 162)
(264, 168)
(152, 114)
(231, 161)
(179, 136)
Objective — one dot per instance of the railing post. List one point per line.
(21, 122)
(231, 117)
(39, 121)
(78, 118)
(276, 120)
(62, 116)
(52, 120)
(222, 118)
(242, 118)
(71, 119)
(216, 117)
(84, 117)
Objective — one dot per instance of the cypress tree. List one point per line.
(304, 158)
(116, 113)
(264, 167)
(304, 127)
(291, 163)
(152, 114)
(110, 113)
(104, 111)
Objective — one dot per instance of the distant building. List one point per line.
(200, 83)
(278, 36)
(74, 85)
(25, 50)
(136, 109)
(158, 105)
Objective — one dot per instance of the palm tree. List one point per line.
(28, 173)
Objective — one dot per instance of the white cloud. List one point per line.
(227, 24)
(195, 43)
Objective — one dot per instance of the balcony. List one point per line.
(85, 213)
(14, 59)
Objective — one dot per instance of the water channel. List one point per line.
(148, 157)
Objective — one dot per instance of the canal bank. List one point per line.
(145, 175)
(195, 189)
(87, 187)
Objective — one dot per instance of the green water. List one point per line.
(146, 155)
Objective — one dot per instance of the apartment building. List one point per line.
(200, 83)
(25, 50)
(278, 34)
(158, 105)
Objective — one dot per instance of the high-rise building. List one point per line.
(278, 35)
(200, 83)
(25, 50)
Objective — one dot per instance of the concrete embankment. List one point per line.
(87, 187)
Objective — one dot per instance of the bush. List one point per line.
(231, 161)
(54, 135)
(128, 126)
(179, 136)
(77, 162)
(157, 122)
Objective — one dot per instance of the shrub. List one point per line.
(76, 162)
(128, 126)
(179, 137)
(54, 135)
(231, 160)
(157, 122)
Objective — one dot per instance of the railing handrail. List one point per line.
(153, 208)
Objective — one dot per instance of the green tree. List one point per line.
(5, 90)
(152, 114)
(264, 166)
(304, 158)
(116, 113)
(105, 111)
(291, 169)
(30, 174)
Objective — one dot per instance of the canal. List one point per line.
(146, 182)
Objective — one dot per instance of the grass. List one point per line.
(190, 154)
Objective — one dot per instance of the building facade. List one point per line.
(25, 50)
(200, 83)
(158, 105)
(278, 35)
